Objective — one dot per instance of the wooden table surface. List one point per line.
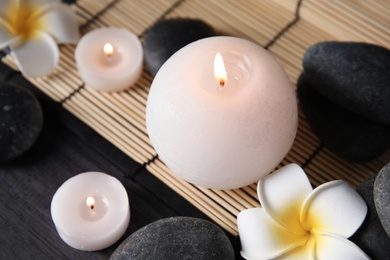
(67, 147)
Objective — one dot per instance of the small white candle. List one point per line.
(91, 211)
(222, 130)
(109, 59)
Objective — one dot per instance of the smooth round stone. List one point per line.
(176, 238)
(382, 197)
(348, 135)
(354, 75)
(168, 36)
(21, 121)
(371, 237)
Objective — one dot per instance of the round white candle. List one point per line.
(112, 69)
(91, 211)
(221, 133)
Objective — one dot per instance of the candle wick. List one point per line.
(92, 207)
(221, 82)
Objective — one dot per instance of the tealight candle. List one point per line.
(91, 211)
(109, 59)
(225, 129)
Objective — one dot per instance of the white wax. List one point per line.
(222, 137)
(91, 229)
(114, 72)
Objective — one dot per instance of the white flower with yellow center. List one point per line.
(32, 29)
(297, 222)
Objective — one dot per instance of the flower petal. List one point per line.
(60, 21)
(261, 237)
(334, 247)
(303, 252)
(36, 57)
(282, 194)
(6, 6)
(6, 37)
(334, 207)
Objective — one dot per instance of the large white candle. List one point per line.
(221, 131)
(109, 59)
(91, 211)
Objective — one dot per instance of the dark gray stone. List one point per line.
(371, 237)
(176, 238)
(168, 36)
(354, 75)
(382, 197)
(348, 135)
(21, 121)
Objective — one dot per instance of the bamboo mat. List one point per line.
(285, 28)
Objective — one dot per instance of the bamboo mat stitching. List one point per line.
(287, 27)
(312, 156)
(131, 175)
(97, 15)
(72, 93)
(166, 13)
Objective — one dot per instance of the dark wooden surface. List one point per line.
(67, 147)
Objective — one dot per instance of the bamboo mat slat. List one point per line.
(136, 16)
(253, 20)
(120, 117)
(93, 7)
(288, 5)
(349, 20)
(190, 192)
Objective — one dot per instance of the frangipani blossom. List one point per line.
(297, 222)
(32, 29)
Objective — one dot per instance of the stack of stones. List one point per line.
(344, 92)
(373, 237)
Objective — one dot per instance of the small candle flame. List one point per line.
(108, 49)
(219, 70)
(90, 202)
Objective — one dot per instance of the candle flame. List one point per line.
(90, 202)
(219, 69)
(108, 49)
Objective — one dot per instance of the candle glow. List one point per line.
(90, 201)
(219, 70)
(108, 49)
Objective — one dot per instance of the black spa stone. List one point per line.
(168, 36)
(21, 121)
(382, 197)
(371, 237)
(178, 238)
(354, 75)
(348, 135)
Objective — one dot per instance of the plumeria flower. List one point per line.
(32, 29)
(297, 222)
